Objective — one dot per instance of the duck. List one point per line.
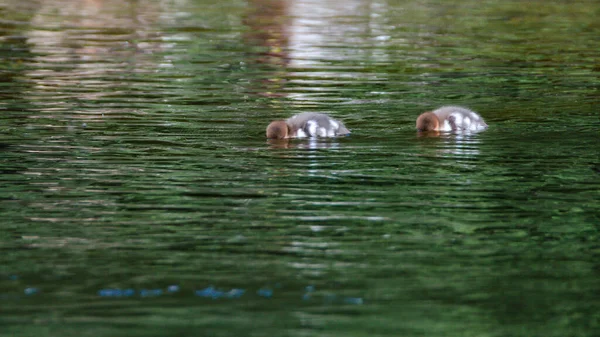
(451, 118)
(306, 124)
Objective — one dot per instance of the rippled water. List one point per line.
(139, 196)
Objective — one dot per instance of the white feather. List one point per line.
(334, 125)
(446, 126)
(312, 128)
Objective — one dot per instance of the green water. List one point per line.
(133, 157)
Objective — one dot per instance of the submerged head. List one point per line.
(277, 130)
(428, 121)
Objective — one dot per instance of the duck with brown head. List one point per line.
(428, 121)
(277, 130)
(306, 124)
(451, 118)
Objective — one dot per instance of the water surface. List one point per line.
(139, 196)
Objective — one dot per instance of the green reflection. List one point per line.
(133, 157)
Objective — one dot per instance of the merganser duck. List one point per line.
(306, 124)
(450, 118)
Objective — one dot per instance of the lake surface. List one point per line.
(139, 196)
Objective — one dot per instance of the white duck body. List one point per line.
(454, 118)
(310, 124)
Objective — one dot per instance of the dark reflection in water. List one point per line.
(139, 195)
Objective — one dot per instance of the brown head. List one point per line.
(428, 121)
(278, 130)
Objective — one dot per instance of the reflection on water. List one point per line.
(463, 144)
(308, 143)
(138, 190)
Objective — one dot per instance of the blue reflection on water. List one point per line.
(116, 292)
(31, 291)
(264, 292)
(208, 292)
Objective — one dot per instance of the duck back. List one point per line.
(454, 118)
(310, 124)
